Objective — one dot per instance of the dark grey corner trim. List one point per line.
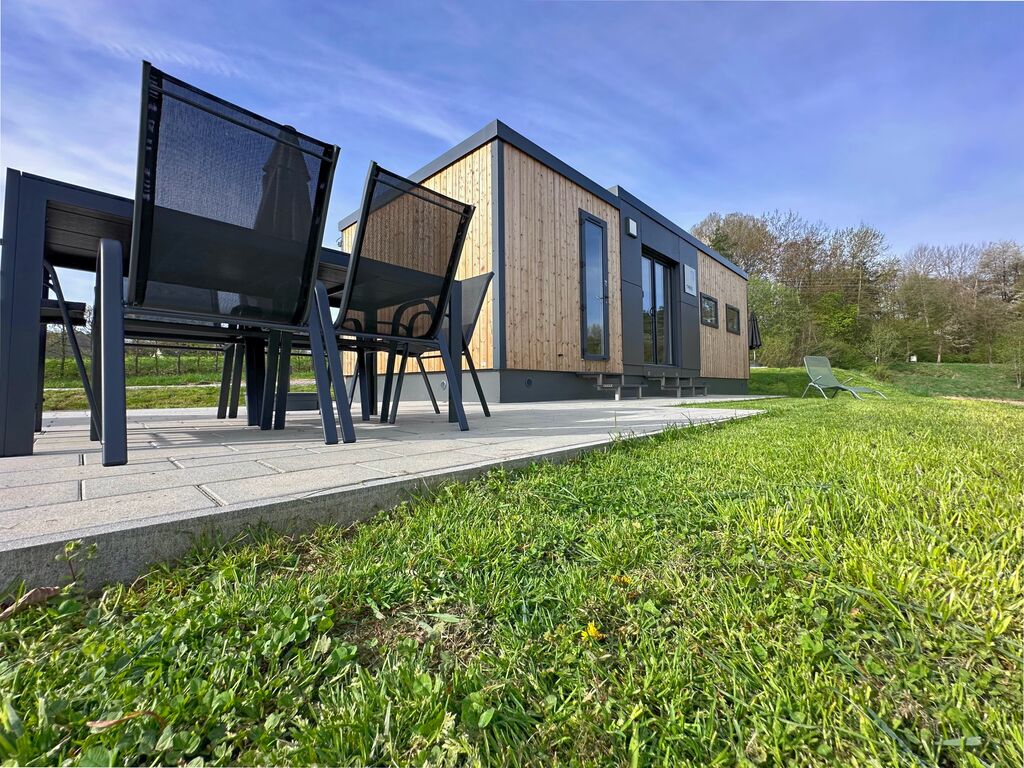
(499, 359)
(644, 208)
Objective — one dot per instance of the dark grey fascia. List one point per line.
(643, 207)
(498, 130)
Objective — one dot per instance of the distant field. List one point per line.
(960, 379)
(165, 370)
(974, 380)
(928, 379)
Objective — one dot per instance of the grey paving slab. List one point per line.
(15, 463)
(80, 472)
(99, 487)
(291, 483)
(39, 495)
(190, 474)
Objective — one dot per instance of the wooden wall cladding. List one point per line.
(723, 355)
(542, 269)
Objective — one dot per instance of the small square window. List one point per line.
(732, 319)
(708, 310)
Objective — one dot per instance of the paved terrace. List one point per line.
(190, 474)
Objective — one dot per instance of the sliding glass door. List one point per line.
(657, 308)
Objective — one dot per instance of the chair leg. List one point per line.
(254, 367)
(805, 390)
(426, 383)
(398, 386)
(348, 432)
(236, 381)
(225, 381)
(385, 401)
(352, 383)
(476, 381)
(364, 386)
(323, 383)
(270, 380)
(114, 450)
(453, 375)
(41, 367)
(284, 373)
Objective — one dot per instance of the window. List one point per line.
(657, 309)
(708, 310)
(593, 286)
(732, 319)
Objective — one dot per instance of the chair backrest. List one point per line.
(820, 371)
(474, 291)
(406, 250)
(229, 209)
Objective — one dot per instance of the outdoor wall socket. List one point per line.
(631, 227)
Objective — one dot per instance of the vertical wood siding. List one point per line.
(723, 355)
(469, 181)
(542, 269)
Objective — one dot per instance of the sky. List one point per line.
(907, 117)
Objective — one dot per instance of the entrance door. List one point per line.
(657, 308)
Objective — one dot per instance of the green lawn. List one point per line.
(832, 583)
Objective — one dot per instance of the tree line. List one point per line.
(842, 293)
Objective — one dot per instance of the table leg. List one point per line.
(21, 275)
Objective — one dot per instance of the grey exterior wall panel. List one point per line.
(632, 325)
(727, 386)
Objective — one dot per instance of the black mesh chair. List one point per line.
(474, 291)
(229, 216)
(405, 254)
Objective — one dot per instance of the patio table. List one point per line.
(63, 223)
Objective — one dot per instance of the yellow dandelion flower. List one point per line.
(592, 633)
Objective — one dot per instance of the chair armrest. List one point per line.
(397, 319)
(412, 320)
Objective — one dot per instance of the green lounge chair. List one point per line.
(822, 379)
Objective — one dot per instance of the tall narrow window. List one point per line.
(594, 286)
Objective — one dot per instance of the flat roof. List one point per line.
(499, 130)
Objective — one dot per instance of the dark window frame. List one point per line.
(671, 278)
(739, 321)
(585, 217)
(700, 308)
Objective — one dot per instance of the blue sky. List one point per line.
(909, 117)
